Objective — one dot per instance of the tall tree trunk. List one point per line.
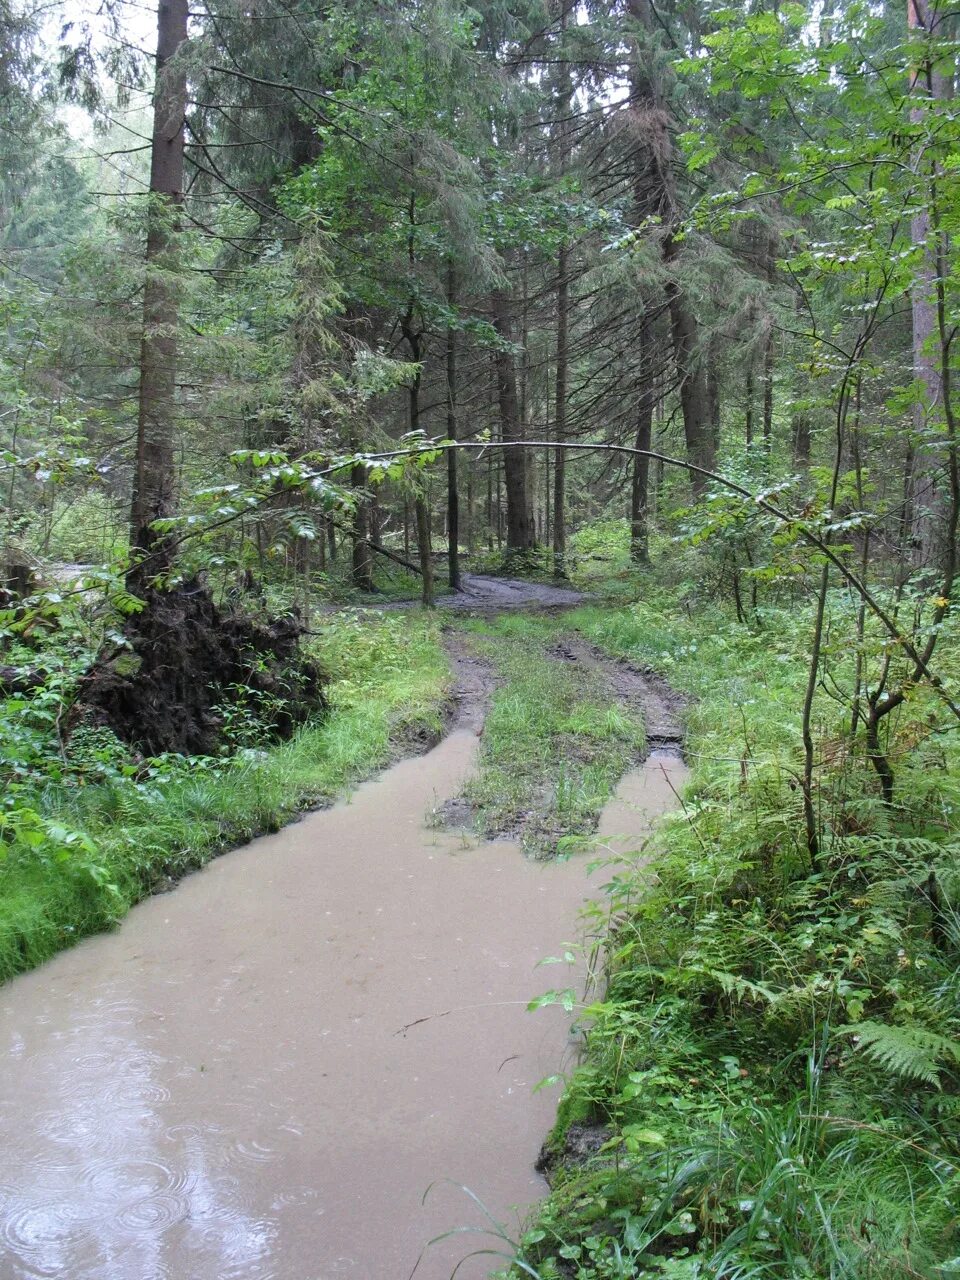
(640, 471)
(713, 390)
(769, 349)
(424, 550)
(655, 195)
(453, 494)
(154, 476)
(563, 311)
(560, 420)
(929, 491)
(691, 372)
(800, 427)
(362, 559)
(768, 391)
(421, 508)
(471, 471)
(748, 410)
(521, 535)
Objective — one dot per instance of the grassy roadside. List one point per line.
(554, 744)
(90, 849)
(771, 1080)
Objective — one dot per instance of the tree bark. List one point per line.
(713, 390)
(768, 392)
(521, 535)
(424, 551)
(928, 489)
(694, 399)
(640, 470)
(362, 561)
(563, 309)
(453, 494)
(748, 410)
(655, 194)
(801, 437)
(154, 476)
(560, 422)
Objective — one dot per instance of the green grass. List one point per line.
(750, 1130)
(124, 838)
(554, 745)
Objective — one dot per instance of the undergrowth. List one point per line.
(555, 743)
(85, 835)
(771, 1079)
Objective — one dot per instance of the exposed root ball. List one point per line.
(188, 661)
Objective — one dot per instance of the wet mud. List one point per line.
(482, 593)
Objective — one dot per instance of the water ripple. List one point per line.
(153, 1213)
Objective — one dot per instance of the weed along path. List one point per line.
(261, 1073)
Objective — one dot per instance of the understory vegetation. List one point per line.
(555, 742)
(660, 300)
(91, 827)
(770, 1085)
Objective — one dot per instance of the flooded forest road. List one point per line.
(261, 1073)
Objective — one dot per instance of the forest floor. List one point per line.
(253, 1016)
(775, 1042)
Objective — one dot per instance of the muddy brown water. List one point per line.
(260, 1074)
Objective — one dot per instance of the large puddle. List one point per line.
(262, 1073)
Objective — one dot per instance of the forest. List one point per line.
(575, 376)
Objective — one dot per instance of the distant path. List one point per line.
(481, 591)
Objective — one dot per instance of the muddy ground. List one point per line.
(641, 691)
(481, 593)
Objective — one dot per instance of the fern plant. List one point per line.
(910, 1052)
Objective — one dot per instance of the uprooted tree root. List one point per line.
(187, 663)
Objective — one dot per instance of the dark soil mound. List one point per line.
(190, 666)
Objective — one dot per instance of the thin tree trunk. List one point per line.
(563, 311)
(423, 547)
(470, 505)
(453, 495)
(560, 419)
(520, 532)
(748, 412)
(490, 466)
(713, 391)
(362, 560)
(928, 490)
(154, 476)
(640, 478)
(800, 428)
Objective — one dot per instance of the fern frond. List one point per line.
(911, 1052)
